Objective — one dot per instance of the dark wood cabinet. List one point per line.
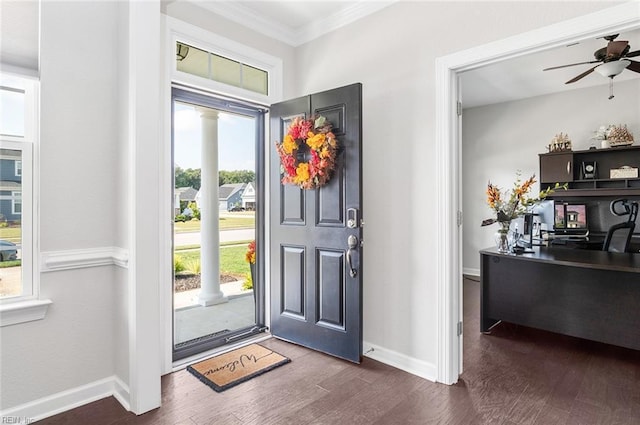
(564, 167)
(556, 167)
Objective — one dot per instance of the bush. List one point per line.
(180, 217)
(192, 265)
(178, 264)
(248, 282)
(194, 208)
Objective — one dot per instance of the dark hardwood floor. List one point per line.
(516, 375)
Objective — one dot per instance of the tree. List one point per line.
(236, 176)
(191, 177)
(187, 178)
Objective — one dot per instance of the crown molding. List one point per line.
(294, 37)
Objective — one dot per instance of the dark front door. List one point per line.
(316, 284)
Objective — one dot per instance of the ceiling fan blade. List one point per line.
(616, 48)
(573, 64)
(584, 74)
(634, 66)
(632, 54)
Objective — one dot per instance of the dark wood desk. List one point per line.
(587, 294)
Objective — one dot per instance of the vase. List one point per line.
(504, 237)
(252, 270)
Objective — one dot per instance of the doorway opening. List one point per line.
(612, 20)
(218, 164)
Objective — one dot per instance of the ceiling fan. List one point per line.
(612, 60)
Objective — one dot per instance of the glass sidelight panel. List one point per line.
(214, 210)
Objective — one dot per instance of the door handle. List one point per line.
(568, 167)
(352, 243)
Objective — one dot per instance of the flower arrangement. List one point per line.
(250, 256)
(315, 135)
(508, 205)
(602, 133)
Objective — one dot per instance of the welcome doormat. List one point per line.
(227, 370)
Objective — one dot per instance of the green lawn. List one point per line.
(12, 263)
(13, 234)
(231, 259)
(240, 222)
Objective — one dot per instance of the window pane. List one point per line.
(11, 111)
(10, 224)
(254, 79)
(16, 205)
(195, 61)
(225, 70)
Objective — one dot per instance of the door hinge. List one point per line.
(459, 218)
(459, 107)
(459, 328)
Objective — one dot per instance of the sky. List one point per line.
(236, 140)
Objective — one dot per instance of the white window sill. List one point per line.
(23, 311)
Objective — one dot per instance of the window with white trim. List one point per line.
(18, 135)
(16, 203)
(218, 68)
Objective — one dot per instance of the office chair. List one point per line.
(619, 235)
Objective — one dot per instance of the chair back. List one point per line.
(619, 237)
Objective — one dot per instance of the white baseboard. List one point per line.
(70, 399)
(412, 365)
(51, 261)
(471, 272)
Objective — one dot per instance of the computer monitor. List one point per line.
(545, 214)
(570, 218)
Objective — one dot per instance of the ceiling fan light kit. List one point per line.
(611, 69)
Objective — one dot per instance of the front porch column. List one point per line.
(210, 293)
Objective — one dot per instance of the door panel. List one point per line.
(331, 289)
(292, 205)
(330, 200)
(292, 283)
(316, 302)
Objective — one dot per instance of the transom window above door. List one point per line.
(202, 63)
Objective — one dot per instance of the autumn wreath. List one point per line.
(316, 134)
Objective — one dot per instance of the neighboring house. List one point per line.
(249, 197)
(230, 195)
(187, 194)
(10, 185)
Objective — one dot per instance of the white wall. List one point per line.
(19, 40)
(498, 140)
(393, 54)
(73, 345)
